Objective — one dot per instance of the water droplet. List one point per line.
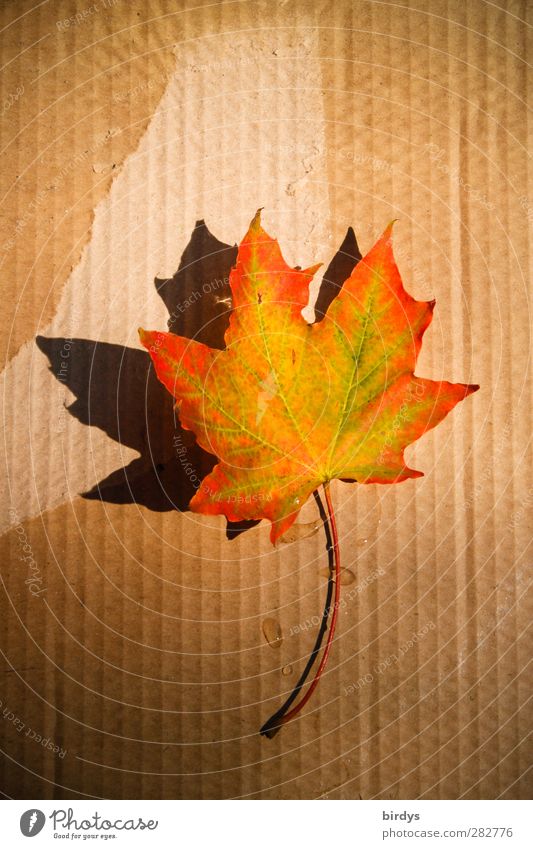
(287, 670)
(272, 632)
(362, 541)
(347, 576)
(301, 530)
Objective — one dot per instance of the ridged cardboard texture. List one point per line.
(137, 145)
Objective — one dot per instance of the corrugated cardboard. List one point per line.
(137, 143)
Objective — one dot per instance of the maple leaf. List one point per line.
(287, 405)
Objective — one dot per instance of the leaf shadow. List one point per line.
(117, 391)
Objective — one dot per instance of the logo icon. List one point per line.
(31, 822)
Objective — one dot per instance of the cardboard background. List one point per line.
(143, 658)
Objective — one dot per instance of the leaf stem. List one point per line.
(275, 723)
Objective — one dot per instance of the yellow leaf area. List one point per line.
(288, 405)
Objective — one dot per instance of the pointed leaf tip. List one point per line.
(256, 220)
(312, 270)
(387, 233)
(145, 336)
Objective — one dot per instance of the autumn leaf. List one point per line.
(288, 405)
